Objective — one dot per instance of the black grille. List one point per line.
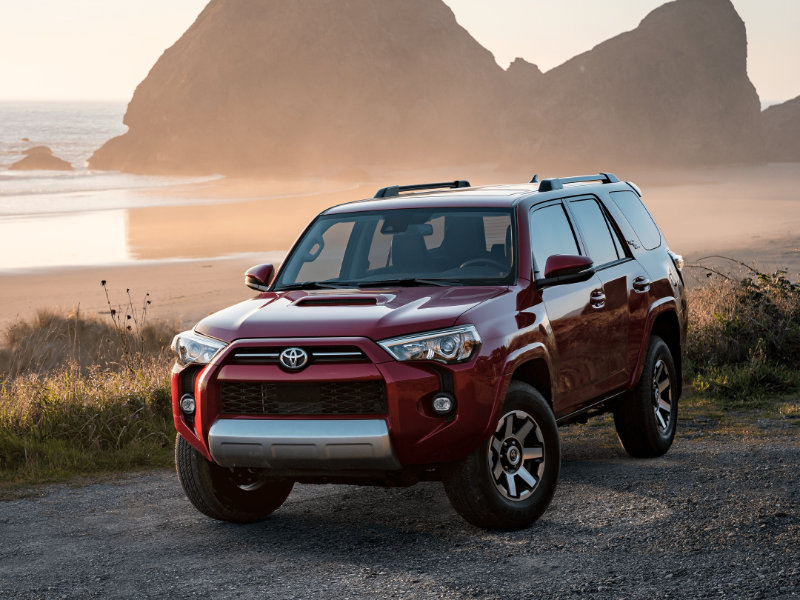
(324, 398)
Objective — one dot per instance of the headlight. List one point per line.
(446, 345)
(193, 348)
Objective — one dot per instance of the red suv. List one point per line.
(439, 334)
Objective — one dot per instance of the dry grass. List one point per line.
(744, 335)
(52, 342)
(81, 395)
(84, 395)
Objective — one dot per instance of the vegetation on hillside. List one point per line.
(744, 336)
(82, 395)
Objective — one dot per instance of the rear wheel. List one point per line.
(509, 481)
(647, 416)
(237, 495)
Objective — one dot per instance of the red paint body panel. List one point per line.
(588, 352)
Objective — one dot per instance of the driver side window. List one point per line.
(551, 233)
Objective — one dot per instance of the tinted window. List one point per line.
(453, 245)
(595, 231)
(551, 234)
(631, 206)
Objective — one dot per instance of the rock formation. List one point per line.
(319, 86)
(40, 158)
(674, 90)
(266, 85)
(781, 124)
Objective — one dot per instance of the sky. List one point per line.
(101, 49)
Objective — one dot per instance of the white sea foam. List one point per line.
(75, 217)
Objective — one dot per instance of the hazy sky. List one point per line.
(101, 49)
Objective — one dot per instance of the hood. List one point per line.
(372, 314)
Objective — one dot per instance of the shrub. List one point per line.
(744, 334)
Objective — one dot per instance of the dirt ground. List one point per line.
(718, 516)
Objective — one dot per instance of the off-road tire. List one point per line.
(483, 499)
(641, 431)
(236, 495)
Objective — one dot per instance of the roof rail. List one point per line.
(394, 190)
(548, 185)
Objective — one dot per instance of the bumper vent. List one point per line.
(323, 398)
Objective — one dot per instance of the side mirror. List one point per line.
(259, 277)
(566, 268)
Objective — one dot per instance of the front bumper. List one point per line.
(404, 432)
(340, 444)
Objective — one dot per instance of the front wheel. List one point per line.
(238, 495)
(509, 481)
(646, 417)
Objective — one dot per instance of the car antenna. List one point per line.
(535, 179)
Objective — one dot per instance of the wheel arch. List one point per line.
(536, 373)
(664, 323)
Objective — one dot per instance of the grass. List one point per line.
(744, 336)
(83, 396)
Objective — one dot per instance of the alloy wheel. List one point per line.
(662, 396)
(516, 455)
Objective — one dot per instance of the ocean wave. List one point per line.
(28, 193)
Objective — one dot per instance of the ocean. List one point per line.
(68, 218)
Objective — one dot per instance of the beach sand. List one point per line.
(752, 214)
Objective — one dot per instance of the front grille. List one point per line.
(323, 398)
(316, 354)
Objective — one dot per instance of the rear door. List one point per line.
(617, 271)
(602, 244)
(580, 346)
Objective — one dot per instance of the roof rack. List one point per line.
(394, 190)
(548, 185)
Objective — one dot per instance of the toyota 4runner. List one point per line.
(436, 332)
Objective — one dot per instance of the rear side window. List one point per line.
(637, 215)
(551, 234)
(595, 230)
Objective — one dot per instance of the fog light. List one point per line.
(187, 404)
(443, 404)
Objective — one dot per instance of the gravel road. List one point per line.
(718, 516)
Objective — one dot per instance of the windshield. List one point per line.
(403, 247)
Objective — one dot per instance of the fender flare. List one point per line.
(658, 308)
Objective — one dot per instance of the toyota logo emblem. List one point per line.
(294, 358)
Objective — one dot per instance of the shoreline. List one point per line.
(224, 226)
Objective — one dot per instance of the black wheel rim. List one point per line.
(516, 455)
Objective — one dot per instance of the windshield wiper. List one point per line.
(410, 281)
(315, 285)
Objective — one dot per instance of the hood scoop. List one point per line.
(340, 300)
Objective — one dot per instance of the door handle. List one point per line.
(597, 299)
(641, 284)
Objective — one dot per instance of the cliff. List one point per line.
(674, 90)
(781, 125)
(320, 86)
(266, 85)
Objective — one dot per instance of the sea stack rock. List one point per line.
(40, 158)
(313, 86)
(673, 91)
(781, 125)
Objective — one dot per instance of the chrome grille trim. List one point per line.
(271, 354)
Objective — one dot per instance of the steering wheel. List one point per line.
(483, 261)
